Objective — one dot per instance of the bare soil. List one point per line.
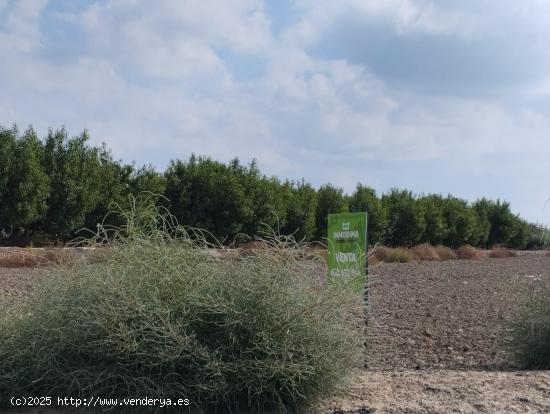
(445, 315)
(442, 392)
(434, 338)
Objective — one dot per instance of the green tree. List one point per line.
(8, 141)
(503, 224)
(330, 199)
(76, 176)
(436, 229)
(406, 218)
(364, 199)
(461, 222)
(116, 182)
(300, 203)
(482, 209)
(23, 182)
(146, 179)
(208, 194)
(263, 200)
(520, 238)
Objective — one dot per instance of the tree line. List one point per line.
(52, 187)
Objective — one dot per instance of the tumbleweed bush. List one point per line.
(158, 311)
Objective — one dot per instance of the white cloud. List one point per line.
(18, 25)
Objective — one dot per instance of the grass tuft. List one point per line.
(14, 257)
(445, 253)
(400, 255)
(391, 255)
(425, 251)
(155, 313)
(381, 252)
(468, 252)
(529, 343)
(499, 252)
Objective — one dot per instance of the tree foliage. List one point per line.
(24, 184)
(364, 199)
(406, 217)
(57, 185)
(330, 199)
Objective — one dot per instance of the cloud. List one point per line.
(458, 48)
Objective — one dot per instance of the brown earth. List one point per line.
(444, 315)
(434, 338)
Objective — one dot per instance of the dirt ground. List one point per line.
(433, 337)
(445, 315)
(446, 391)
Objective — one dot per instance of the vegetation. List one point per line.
(51, 188)
(530, 327)
(158, 314)
(499, 252)
(445, 253)
(425, 251)
(400, 255)
(468, 252)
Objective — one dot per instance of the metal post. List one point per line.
(366, 293)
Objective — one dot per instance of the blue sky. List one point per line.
(445, 97)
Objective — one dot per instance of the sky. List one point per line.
(434, 96)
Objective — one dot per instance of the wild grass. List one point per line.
(31, 257)
(381, 252)
(425, 251)
(400, 255)
(155, 313)
(445, 253)
(529, 343)
(468, 252)
(499, 252)
(391, 255)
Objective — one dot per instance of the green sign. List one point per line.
(347, 247)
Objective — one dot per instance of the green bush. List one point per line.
(157, 313)
(530, 327)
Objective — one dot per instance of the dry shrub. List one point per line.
(500, 252)
(153, 315)
(373, 260)
(390, 255)
(425, 251)
(400, 255)
(30, 257)
(381, 252)
(254, 245)
(445, 253)
(468, 252)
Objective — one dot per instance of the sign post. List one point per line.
(347, 248)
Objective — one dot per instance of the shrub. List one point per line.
(425, 251)
(445, 253)
(381, 252)
(155, 315)
(400, 255)
(468, 252)
(530, 328)
(390, 255)
(19, 257)
(500, 252)
(372, 260)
